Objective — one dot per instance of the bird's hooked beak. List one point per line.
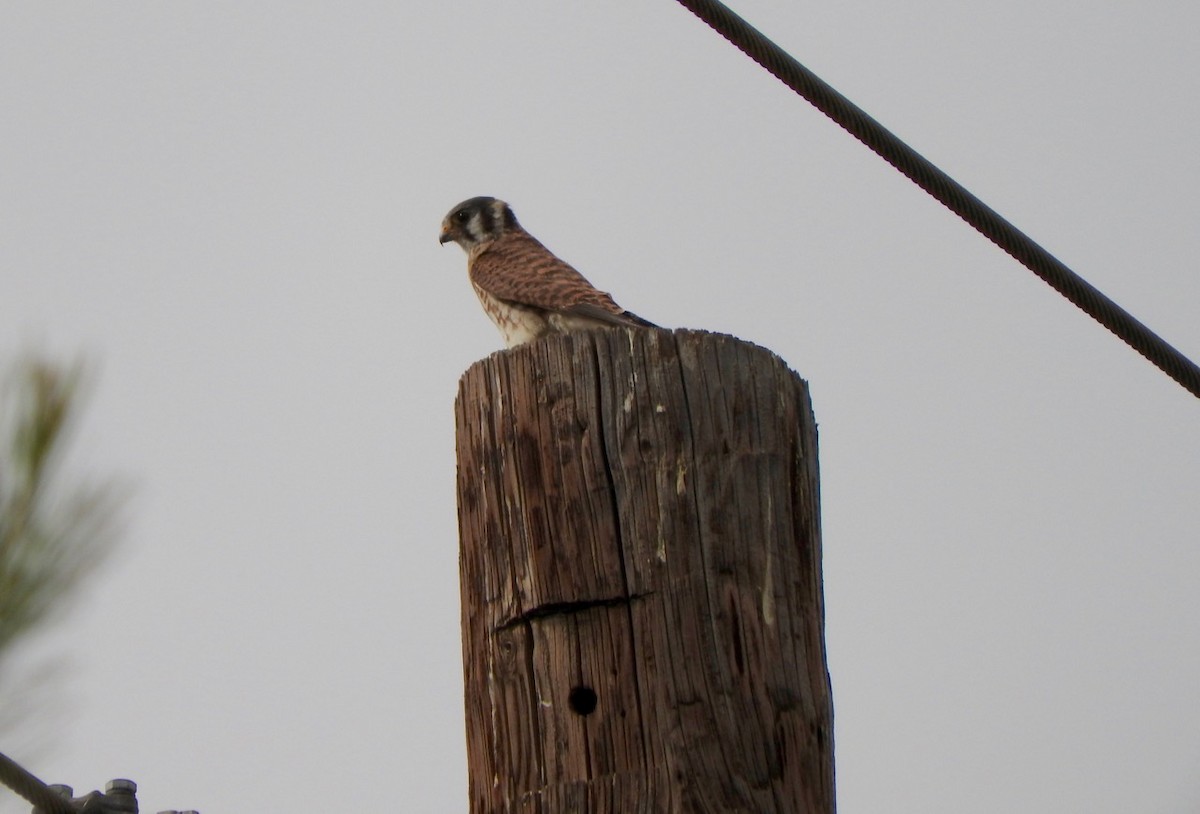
(446, 236)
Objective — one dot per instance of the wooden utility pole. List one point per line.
(643, 624)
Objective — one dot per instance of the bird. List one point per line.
(525, 289)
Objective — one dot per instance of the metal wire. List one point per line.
(941, 186)
(32, 789)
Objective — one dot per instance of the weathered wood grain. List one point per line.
(643, 627)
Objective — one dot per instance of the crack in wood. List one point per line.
(567, 608)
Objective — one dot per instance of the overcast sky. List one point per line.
(231, 209)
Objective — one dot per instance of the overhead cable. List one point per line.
(32, 789)
(945, 189)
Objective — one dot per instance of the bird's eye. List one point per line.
(462, 216)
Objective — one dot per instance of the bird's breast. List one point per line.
(517, 324)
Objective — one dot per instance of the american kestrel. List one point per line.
(524, 288)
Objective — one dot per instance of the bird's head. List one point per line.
(476, 222)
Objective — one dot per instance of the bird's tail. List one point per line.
(633, 318)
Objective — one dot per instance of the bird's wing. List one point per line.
(518, 268)
(621, 317)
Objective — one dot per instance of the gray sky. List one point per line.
(232, 209)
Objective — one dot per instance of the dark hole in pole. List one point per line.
(582, 700)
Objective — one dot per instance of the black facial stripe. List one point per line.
(487, 220)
